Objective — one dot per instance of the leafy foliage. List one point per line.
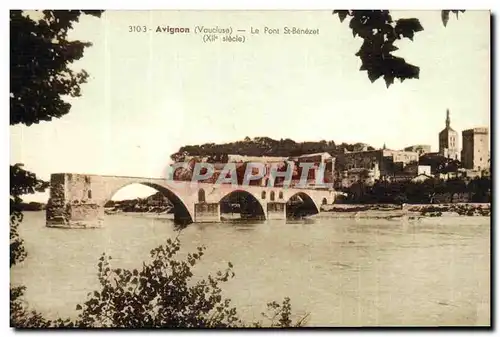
(32, 206)
(279, 315)
(21, 182)
(40, 56)
(40, 76)
(158, 295)
(161, 294)
(479, 189)
(445, 15)
(427, 191)
(22, 317)
(19, 314)
(379, 33)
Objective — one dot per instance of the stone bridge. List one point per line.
(77, 200)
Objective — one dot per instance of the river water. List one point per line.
(342, 271)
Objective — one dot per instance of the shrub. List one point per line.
(159, 295)
(162, 294)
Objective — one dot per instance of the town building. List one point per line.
(420, 149)
(475, 151)
(356, 175)
(409, 172)
(448, 140)
(321, 157)
(384, 162)
(369, 166)
(416, 169)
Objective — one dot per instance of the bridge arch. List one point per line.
(250, 205)
(182, 214)
(301, 204)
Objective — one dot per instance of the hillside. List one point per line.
(156, 203)
(265, 146)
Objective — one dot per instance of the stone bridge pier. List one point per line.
(71, 204)
(77, 200)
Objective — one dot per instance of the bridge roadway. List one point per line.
(77, 200)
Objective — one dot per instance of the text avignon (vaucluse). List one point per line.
(229, 30)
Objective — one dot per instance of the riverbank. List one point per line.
(367, 211)
(151, 215)
(392, 210)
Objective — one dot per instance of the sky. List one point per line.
(150, 93)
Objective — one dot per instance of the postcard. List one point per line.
(235, 169)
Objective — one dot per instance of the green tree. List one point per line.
(21, 182)
(429, 187)
(40, 55)
(40, 59)
(455, 186)
(479, 189)
(379, 33)
(40, 77)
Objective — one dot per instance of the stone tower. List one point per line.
(448, 140)
(475, 152)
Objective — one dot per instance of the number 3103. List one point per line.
(137, 29)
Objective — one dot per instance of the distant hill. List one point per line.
(32, 206)
(265, 146)
(156, 203)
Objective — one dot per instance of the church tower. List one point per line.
(448, 140)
